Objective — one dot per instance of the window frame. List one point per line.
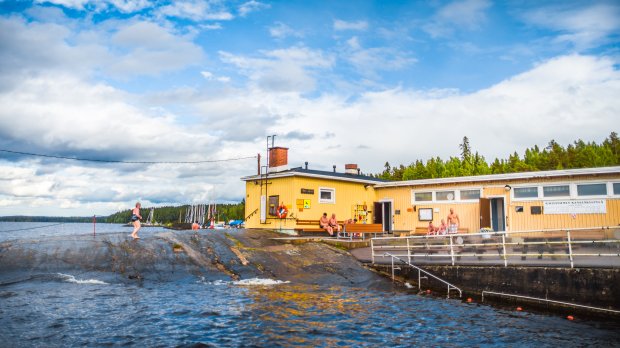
(455, 191)
(569, 195)
(327, 201)
(514, 190)
(604, 184)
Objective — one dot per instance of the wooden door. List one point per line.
(485, 212)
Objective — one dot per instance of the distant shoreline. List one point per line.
(68, 219)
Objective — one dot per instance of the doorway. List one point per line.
(492, 213)
(383, 215)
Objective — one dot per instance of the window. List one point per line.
(616, 188)
(273, 204)
(444, 196)
(423, 196)
(556, 191)
(592, 190)
(526, 192)
(327, 195)
(470, 194)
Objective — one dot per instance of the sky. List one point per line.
(337, 82)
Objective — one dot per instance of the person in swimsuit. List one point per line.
(333, 223)
(453, 222)
(135, 219)
(324, 224)
(443, 228)
(431, 228)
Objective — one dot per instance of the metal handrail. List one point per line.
(551, 301)
(450, 286)
(443, 246)
(507, 233)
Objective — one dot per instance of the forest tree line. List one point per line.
(163, 215)
(170, 214)
(554, 156)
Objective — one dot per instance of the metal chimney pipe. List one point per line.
(334, 168)
(306, 165)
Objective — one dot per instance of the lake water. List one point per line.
(103, 309)
(30, 230)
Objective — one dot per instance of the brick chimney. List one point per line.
(278, 159)
(351, 169)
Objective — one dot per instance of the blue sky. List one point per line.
(337, 81)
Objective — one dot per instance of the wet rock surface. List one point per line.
(175, 255)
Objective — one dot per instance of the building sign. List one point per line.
(307, 191)
(306, 204)
(585, 206)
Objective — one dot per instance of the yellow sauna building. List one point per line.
(573, 198)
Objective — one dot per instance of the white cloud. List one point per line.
(124, 6)
(251, 6)
(368, 61)
(216, 26)
(282, 70)
(74, 4)
(133, 49)
(280, 31)
(207, 75)
(582, 27)
(151, 49)
(344, 25)
(196, 10)
(354, 43)
(465, 14)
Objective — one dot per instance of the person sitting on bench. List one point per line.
(333, 223)
(324, 224)
(431, 228)
(443, 228)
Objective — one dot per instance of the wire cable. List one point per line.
(31, 228)
(127, 162)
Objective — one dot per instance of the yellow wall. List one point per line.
(289, 190)
(349, 194)
(469, 213)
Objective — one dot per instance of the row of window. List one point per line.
(446, 196)
(567, 190)
(525, 192)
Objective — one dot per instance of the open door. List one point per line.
(387, 217)
(498, 216)
(485, 213)
(377, 213)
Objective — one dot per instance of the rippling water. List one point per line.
(88, 309)
(105, 308)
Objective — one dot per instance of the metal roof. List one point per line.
(321, 174)
(381, 183)
(505, 177)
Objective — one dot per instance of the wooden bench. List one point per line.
(360, 230)
(312, 226)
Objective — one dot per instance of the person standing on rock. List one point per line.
(135, 219)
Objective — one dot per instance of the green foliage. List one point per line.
(579, 154)
(170, 214)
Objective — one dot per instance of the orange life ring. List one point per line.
(282, 212)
